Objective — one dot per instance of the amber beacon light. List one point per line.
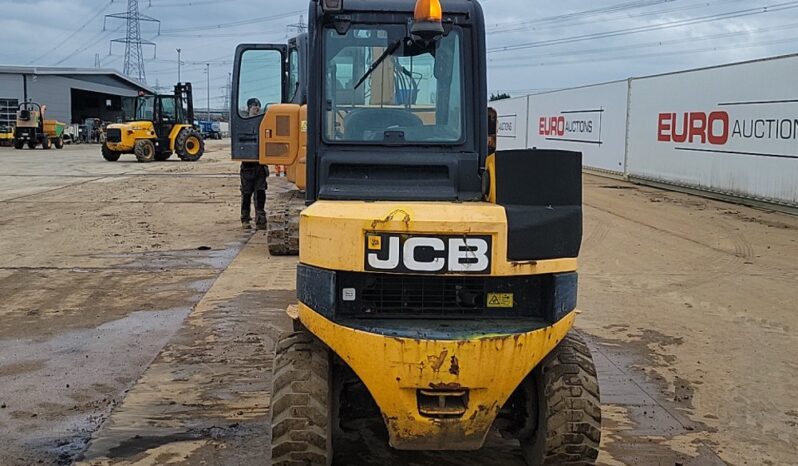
(427, 21)
(429, 11)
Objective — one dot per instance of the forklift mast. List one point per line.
(185, 100)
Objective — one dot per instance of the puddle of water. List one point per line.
(57, 392)
(218, 259)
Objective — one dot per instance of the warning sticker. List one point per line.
(375, 243)
(500, 300)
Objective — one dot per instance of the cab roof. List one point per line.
(402, 6)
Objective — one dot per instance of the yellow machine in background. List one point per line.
(32, 129)
(156, 127)
(6, 136)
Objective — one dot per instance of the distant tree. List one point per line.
(502, 96)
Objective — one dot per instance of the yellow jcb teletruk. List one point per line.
(155, 127)
(437, 277)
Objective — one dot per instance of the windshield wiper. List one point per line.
(389, 51)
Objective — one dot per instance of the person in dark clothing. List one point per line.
(253, 183)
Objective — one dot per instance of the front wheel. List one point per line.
(19, 144)
(567, 408)
(301, 402)
(144, 150)
(110, 155)
(59, 143)
(189, 145)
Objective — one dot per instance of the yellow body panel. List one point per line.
(394, 369)
(284, 141)
(278, 143)
(334, 232)
(491, 167)
(136, 130)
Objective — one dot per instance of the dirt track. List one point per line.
(116, 321)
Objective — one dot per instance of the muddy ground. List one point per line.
(137, 321)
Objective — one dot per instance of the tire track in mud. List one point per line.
(715, 263)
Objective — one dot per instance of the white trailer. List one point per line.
(590, 120)
(730, 130)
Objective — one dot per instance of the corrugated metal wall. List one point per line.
(54, 91)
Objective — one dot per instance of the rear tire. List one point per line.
(47, 144)
(144, 150)
(110, 155)
(59, 143)
(568, 408)
(301, 402)
(189, 145)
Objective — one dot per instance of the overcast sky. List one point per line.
(533, 45)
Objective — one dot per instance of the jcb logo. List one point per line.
(427, 254)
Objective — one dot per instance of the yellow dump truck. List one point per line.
(33, 130)
(6, 135)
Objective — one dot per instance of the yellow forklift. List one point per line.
(437, 279)
(155, 127)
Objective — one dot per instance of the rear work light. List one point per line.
(332, 5)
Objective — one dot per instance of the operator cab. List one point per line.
(399, 114)
(165, 111)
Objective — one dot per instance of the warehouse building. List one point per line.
(70, 94)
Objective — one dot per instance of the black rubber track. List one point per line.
(300, 408)
(569, 419)
(282, 233)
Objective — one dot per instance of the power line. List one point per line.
(505, 62)
(521, 25)
(655, 55)
(62, 42)
(189, 3)
(648, 28)
(233, 24)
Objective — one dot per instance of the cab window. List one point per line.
(145, 107)
(168, 109)
(293, 74)
(260, 82)
(381, 88)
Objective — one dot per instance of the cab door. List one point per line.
(260, 78)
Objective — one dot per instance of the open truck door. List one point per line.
(260, 77)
